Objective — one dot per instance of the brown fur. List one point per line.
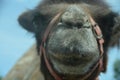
(98, 9)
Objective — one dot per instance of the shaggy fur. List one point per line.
(37, 20)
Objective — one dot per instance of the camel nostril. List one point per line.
(72, 24)
(69, 24)
(75, 25)
(78, 25)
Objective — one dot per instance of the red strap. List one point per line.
(98, 34)
(49, 66)
(100, 41)
(42, 49)
(50, 26)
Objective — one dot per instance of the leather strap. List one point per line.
(42, 47)
(98, 34)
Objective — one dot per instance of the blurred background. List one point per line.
(15, 41)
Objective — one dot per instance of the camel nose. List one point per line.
(74, 16)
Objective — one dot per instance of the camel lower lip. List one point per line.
(70, 60)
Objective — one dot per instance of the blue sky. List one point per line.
(14, 40)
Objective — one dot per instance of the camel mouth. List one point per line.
(74, 59)
(69, 56)
(73, 64)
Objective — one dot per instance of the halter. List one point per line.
(98, 34)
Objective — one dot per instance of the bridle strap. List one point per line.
(49, 66)
(99, 38)
(98, 34)
(42, 49)
(50, 26)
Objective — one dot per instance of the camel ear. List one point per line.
(28, 20)
(115, 40)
